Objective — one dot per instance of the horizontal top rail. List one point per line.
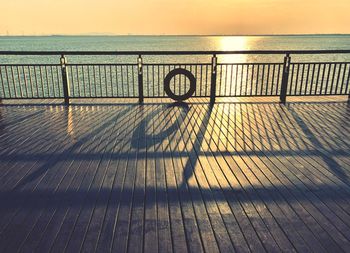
(174, 52)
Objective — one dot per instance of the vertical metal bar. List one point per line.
(78, 81)
(241, 84)
(122, 80)
(58, 81)
(127, 80)
(133, 80)
(231, 80)
(268, 78)
(53, 82)
(47, 80)
(184, 81)
(206, 80)
(163, 75)
(154, 88)
(200, 72)
(105, 81)
(42, 81)
(226, 67)
(8, 83)
(257, 80)
(65, 79)
(111, 76)
(36, 81)
(140, 78)
(307, 78)
(84, 84)
(328, 74)
(284, 85)
(317, 77)
(89, 80)
(337, 84)
(312, 78)
(278, 78)
(100, 80)
(25, 81)
(158, 68)
(214, 60)
(30, 81)
(347, 86)
(174, 80)
(72, 82)
(291, 79)
(246, 80)
(333, 77)
(251, 81)
(13, 82)
(195, 75)
(95, 83)
(180, 83)
(262, 79)
(273, 78)
(219, 70)
(296, 79)
(95, 72)
(116, 79)
(343, 78)
(19, 82)
(302, 78)
(2, 84)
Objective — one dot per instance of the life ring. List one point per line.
(179, 71)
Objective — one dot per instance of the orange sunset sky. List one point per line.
(43, 17)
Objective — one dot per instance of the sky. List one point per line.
(173, 17)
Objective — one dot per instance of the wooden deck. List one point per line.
(240, 176)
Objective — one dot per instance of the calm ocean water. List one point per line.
(240, 79)
(120, 43)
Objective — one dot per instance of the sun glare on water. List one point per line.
(232, 43)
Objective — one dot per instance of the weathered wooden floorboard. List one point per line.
(280, 238)
(234, 177)
(310, 196)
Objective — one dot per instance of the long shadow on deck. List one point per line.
(52, 161)
(40, 199)
(332, 164)
(17, 197)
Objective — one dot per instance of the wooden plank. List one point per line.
(97, 218)
(70, 220)
(22, 214)
(122, 227)
(178, 191)
(53, 213)
(278, 234)
(156, 178)
(309, 210)
(164, 234)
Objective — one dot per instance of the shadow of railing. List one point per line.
(72, 198)
(268, 130)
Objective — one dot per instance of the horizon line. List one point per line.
(168, 35)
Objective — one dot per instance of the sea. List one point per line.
(118, 78)
(165, 43)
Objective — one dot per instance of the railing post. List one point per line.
(140, 78)
(213, 79)
(285, 77)
(65, 81)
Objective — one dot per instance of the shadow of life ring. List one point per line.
(179, 71)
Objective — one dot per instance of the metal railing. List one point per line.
(146, 80)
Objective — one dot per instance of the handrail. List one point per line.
(95, 80)
(342, 51)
